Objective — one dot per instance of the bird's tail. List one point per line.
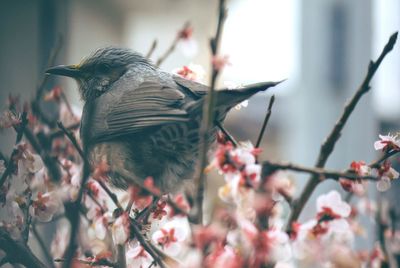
(228, 98)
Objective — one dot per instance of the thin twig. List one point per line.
(145, 244)
(59, 133)
(329, 144)
(27, 216)
(152, 48)
(171, 48)
(73, 209)
(149, 191)
(208, 115)
(266, 119)
(226, 133)
(320, 172)
(71, 137)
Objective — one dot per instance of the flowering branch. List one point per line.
(11, 166)
(172, 47)
(329, 143)
(146, 244)
(226, 133)
(319, 172)
(208, 114)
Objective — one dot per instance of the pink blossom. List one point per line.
(8, 119)
(159, 211)
(181, 202)
(388, 143)
(171, 235)
(191, 72)
(360, 168)
(120, 229)
(228, 257)
(12, 215)
(186, 32)
(331, 204)
(45, 206)
(386, 174)
(100, 227)
(219, 62)
(28, 162)
(353, 186)
(137, 256)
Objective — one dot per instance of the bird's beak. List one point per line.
(65, 70)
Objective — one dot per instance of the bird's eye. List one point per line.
(103, 68)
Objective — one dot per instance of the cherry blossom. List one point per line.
(28, 162)
(171, 235)
(226, 257)
(331, 205)
(220, 62)
(12, 215)
(186, 42)
(100, 226)
(8, 119)
(137, 256)
(387, 143)
(360, 168)
(120, 229)
(191, 72)
(386, 174)
(45, 206)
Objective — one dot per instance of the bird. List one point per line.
(144, 122)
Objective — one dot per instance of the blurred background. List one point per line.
(321, 47)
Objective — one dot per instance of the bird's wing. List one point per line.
(195, 89)
(151, 104)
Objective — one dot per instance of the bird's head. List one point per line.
(96, 73)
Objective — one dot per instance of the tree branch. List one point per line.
(171, 48)
(152, 48)
(318, 172)
(267, 116)
(329, 143)
(18, 251)
(208, 115)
